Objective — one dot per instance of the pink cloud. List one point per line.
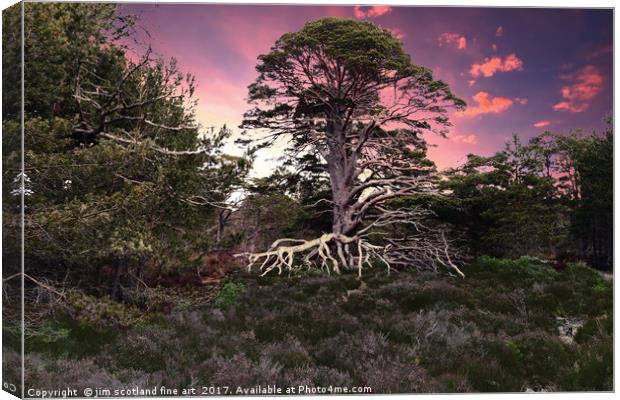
(397, 33)
(600, 51)
(489, 66)
(487, 104)
(359, 14)
(453, 38)
(374, 11)
(542, 123)
(471, 82)
(586, 84)
(521, 100)
(467, 139)
(499, 31)
(572, 107)
(377, 11)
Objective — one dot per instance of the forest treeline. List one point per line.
(551, 197)
(122, 187)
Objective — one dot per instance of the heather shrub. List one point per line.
(141, 354)
(56, 372)
(410, 331)
(395, 374)
(593, 328)
(239, 370)
(289, 353)
(317, 376)
(592, 369)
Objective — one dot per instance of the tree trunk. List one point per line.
(341, 167)
(342, 222)
(220, 226)
(117, 278)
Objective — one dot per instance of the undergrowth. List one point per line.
(412, 331)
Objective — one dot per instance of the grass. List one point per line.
(413, 331)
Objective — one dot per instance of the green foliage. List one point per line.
(592, 216)
(359, 46)
(61, 37)
(139, 357)
(601, 288)
(102, 311)
(593, 328)
(67, 337)
(229, 293)
(507, 204)
(524, 267)
(514, 348)
(48, 333)
(594, 370)
(119, 177)
(551, 197)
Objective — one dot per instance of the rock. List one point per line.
(568, 328)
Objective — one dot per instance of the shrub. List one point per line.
(70, 338)
(103, 311)
(229, 293)
(529, 268)
(601, 288)
(289, 353)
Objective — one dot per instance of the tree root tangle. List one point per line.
(336, 252)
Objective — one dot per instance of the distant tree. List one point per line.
(353, 106)
(550, 197)
(508, 202)
(594, 213)
(585, 172)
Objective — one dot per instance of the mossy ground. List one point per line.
(412, 331)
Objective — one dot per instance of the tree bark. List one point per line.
(341, 164)
(222, 218)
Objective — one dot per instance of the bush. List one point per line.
(229, 293)
(67, 337)
(529, 268)
(102, 311)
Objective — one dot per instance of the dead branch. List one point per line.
(38, 283)
(153, 146)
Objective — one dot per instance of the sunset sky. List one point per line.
(519, 70)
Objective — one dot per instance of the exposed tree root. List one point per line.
(332, 252)
(336, 252)
(423, 250)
